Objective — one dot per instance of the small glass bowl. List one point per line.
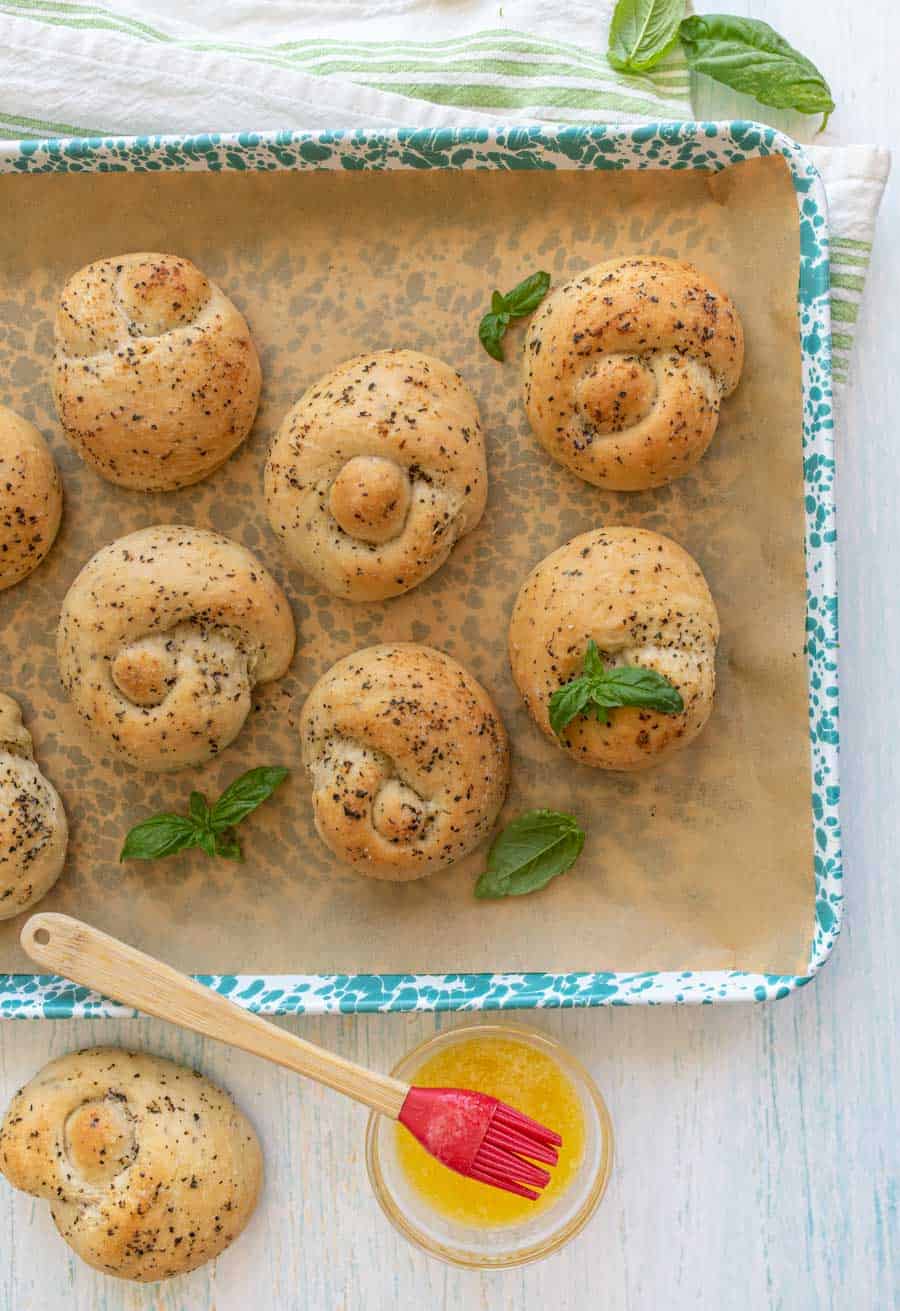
(504, 1245)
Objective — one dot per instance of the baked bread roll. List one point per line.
(156, 379)
(376, 473)
(33, 828)
(163, 636)
(625, 369)
(30, 498)
(150, 1170)
(645, 603)
(408, 759)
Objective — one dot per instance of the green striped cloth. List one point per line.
(849, 265)
(499, 71)
(81, 69)
(546, 67)
(854, 178)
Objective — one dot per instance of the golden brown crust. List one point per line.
(625, 368)
(376, 473)
(163, 636)
(645, 602)
(33, 829)
(408, 758)
(150, 1170)
(30, 498)
(156, 378)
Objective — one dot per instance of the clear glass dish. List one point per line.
(506, 1245)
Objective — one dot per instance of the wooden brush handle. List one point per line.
(95, 960)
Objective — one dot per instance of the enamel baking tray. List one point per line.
(655, 146)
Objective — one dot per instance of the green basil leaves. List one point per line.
(750, 56)
(516, 304)
(530, 851)
(598, 690)
(742, 53)
(207, 827)
(642, 31)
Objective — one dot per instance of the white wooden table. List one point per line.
(757, 1158)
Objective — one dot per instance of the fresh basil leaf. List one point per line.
(750, 56)
(530, 851)
(568, 702)
(228, 847)
(160, 836)
(498, 303)
(641, 32)
(244, 795)
(630, 685)
(199, 809)
(593, 665)
(490, 334)
(206, 840)
(526, 297)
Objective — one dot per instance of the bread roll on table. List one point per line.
(150, 1170)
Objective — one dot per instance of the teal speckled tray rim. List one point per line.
(661, 145)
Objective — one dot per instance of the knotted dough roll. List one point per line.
(150, 1170)
(408, 758)
(163, 636)
(376, 473)
(156, 378)
(625, 369)
(33, 828)
(645, 603)
(30, 498)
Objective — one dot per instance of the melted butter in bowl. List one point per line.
(522, 1076)
(464, 1221)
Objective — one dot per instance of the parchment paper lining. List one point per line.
(703, 863)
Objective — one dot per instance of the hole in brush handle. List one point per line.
(36, 934)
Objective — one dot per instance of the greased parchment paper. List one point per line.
(702, 863)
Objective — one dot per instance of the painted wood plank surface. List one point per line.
(757, 1157)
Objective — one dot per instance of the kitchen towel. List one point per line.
(129, 67)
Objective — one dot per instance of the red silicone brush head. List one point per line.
(481, 1138)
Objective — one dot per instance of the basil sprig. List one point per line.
(742, 53)
(597, 690)
(208, 827)
(516, 304)
(530, 851)
(642, 31)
